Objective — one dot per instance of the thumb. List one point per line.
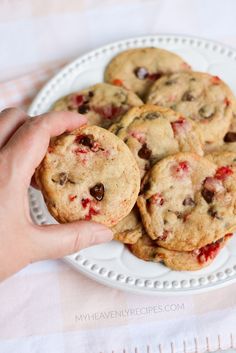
(56, 241)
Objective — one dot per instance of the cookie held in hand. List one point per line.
(89, 174)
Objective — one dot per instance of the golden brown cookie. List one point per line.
(130, 231)
(188, 202)
(137, 69)
(146, 249)
(102, 103)
(89, 174)
(204, 98)
(153, 132)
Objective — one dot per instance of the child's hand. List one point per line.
(23, 144)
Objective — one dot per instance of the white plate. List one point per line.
(112, 264)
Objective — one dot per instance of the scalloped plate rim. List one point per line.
(50, 85)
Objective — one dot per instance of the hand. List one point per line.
(23, 144)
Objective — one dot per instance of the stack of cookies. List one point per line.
(156, 163)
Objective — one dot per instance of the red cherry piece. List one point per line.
(157, 199)
(79, 99)
(117, 82)
(183, 166)
(96, 147)
(180, 170)
(92, 212)
(208, 252)
(179, 126)
(228, 235)
(140, 136)
(223, 172)
(72, 197)
(80, 150)
(227, 102)
(186, 217)
(85, 202)
(215, 80)
(164, 235)
(109, 111)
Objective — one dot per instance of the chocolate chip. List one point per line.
(62, 178)
(144, 152)
(97, 191)
(213, 213)
(188, 97)
(86, 140)
(90, 94)
(83, 109)
(192, 79)
(141, 73)
(152, 116)
(230, 137)
(206, 111)
(207, 195)
(188, 201)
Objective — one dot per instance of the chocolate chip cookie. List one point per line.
(204, 98)
(130, 231)
(187, 202)
(103, 104)
(153, 132)
(137, 69)
(146, 249)
(89, 174)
